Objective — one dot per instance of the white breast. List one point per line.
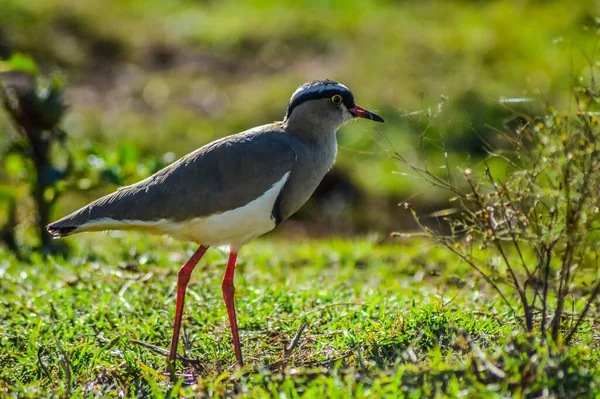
(234, 227)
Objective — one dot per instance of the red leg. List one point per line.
(228, 290)
(183, 278)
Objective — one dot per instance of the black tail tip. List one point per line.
(58, 231)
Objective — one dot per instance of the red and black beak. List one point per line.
(360, 112)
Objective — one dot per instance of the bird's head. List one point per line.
(325, 105)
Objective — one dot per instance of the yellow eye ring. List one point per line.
(337, 99)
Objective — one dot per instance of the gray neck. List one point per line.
(310, 122)
(311, 127)
(315, 155)
(311, 133)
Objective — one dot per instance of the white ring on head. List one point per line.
(318, 88)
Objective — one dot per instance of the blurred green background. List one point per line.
(149, 81)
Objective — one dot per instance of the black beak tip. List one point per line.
(377, 118)
(360, 112)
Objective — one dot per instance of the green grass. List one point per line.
(381, 318)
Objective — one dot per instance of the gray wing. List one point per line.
(220, 176)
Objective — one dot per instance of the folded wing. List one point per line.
(221, 176)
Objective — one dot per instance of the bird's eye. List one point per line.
(337, 99)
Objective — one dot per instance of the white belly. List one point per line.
(234, 227)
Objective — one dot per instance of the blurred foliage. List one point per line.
(35, 108)
(37, 165)
(172, 76)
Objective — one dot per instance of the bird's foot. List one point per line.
(189, 377)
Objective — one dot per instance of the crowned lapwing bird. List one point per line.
(231, 190)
